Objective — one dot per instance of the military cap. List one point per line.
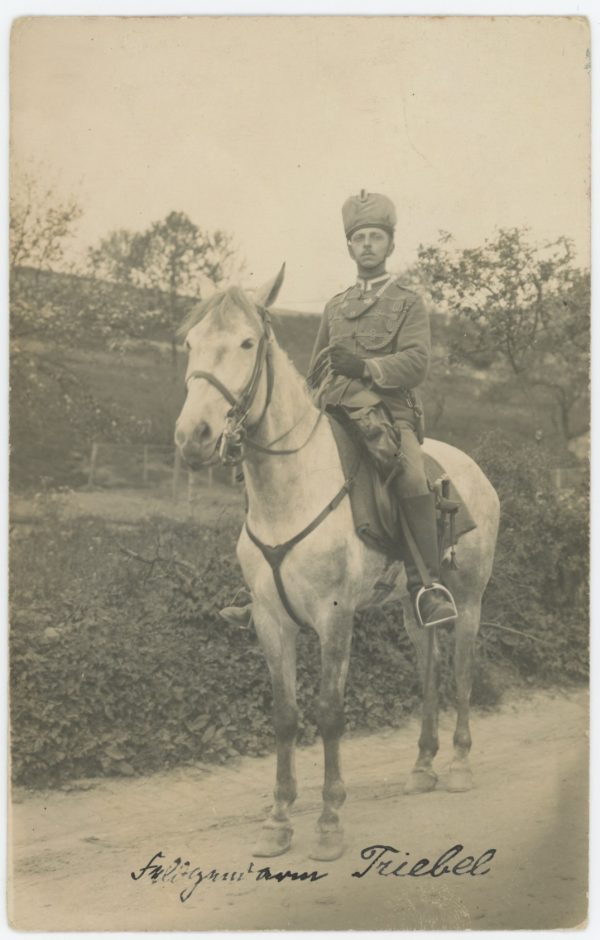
(372, 210)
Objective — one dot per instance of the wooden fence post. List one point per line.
(190, 486)
(93, 458)
(176, 473)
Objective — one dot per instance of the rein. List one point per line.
(268, 449)
(234, 438)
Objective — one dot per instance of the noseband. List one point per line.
(231, 440)
(234, 436)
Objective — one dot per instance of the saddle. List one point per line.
(372, 502)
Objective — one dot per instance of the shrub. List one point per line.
(541, 569)
(120, 663)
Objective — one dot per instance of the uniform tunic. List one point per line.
(387, 326)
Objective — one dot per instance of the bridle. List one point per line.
(235, 434)
(234, 438)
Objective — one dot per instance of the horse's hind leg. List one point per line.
(278, 642)
(335, 657)
(423, 777)
(461, 777)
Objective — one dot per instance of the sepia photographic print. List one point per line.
(299, 472)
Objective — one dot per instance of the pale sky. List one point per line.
(264, 125)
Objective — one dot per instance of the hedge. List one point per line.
(121, 665)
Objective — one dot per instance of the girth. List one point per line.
(275, 554)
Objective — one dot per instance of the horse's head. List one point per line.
(226, 338)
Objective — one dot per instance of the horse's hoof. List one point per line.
(273, 842)
(329, 846)
(421, 780)
(460, 779)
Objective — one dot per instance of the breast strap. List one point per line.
(275, 554)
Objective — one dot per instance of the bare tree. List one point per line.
(40, 224)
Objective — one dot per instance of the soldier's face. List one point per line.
(370, 247)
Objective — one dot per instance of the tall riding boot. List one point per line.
(433, 601)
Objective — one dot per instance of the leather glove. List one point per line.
(346, 363)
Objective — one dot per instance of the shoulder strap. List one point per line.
(382, 290)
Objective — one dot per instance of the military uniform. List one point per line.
(378, 341)
(387, 326)
(377, 332)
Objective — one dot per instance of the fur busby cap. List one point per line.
(368, 210)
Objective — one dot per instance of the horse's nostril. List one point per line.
(203, 431)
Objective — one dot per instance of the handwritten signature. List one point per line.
(382, 860)
(181, 872)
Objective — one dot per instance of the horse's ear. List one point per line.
(267, 294)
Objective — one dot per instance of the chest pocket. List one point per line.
(376, 332)
(340, 327)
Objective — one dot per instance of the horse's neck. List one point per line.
(285, 492)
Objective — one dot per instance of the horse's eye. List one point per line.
(248, 344)
(187, 346)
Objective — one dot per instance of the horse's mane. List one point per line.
(220, 303)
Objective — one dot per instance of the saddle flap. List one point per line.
(373, 506)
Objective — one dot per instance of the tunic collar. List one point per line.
(365, 284)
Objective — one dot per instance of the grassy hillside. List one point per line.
(79, 375)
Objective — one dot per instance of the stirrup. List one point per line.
(435, 586)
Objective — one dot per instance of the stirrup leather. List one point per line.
(435, 586)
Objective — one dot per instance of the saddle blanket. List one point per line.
(371, 505)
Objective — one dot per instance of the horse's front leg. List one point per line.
(461, 776)
(423, 777)
(335, 657)
(278, 642)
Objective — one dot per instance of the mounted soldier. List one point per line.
(376, 338)
(374, 346)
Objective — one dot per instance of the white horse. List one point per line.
(241, 383)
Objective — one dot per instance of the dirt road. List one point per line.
(74, 850)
